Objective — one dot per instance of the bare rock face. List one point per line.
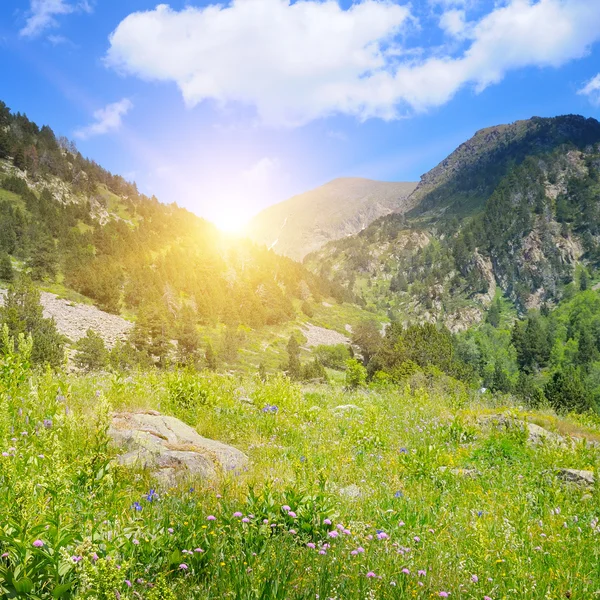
(577, 476)
(171, 449)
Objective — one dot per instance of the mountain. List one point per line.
(335, 210)
(514, 210)
(91, 236)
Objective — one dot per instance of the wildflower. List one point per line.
(354, 552)
(237, 514)
(401, 523)
(347, 532)
(333, 534)
(5, 454)
(94, 557)
(38, 543)
(398, 494)
(170, 530)
(443, 594)
(128, 583)
(340, 527)
(245, 520)
(265, 521)
(382, 535)
(406, 571)
(474, 578)
(417, 539)
(199, 550)
(360, 549)
(136, 506)
(480, 513)
(76, 559)
(310, 545)
(183, 567)
(48, 423)
(5, 555)
(286, 508)
(293, 532)
(292, 514)
(327, 522)
(486, 598)
(371, 574)
(322, 552)
(403, 451)
(211, 518)
(135, 542)
(422, 573)
(151, 496)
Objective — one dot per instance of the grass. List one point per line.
(405, 528)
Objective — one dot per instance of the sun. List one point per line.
(231, 220)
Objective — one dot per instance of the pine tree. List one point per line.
(6, 269)
(494, 313)
(19, 158)
(210, 357)
(566, 392)
(91, 352)
(4, 144)
(23, 313)
(262, 372)
(188, 338)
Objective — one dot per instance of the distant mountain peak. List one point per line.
(337, 209)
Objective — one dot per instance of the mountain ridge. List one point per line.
(340, 207)
(512, 209)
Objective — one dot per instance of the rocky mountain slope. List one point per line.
(515, 209)
(335, 210)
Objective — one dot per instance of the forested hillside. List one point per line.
(65, 221)
(514, 211)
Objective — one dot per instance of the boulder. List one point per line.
(535, 434)
(171, 449)
(539, 435)
(577, 476)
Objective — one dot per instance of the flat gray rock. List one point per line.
(170, 448)
(577, 476)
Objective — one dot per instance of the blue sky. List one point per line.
(227, 109)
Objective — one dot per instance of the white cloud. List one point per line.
(453, 22)
(311, 59)
(109, 118)
(592, 90)
(42, 14)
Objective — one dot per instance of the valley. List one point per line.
(412, 411)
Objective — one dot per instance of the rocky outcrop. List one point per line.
(577, 476)
(170, 449)
(317, 336)
(74, 319)
(535, 434)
